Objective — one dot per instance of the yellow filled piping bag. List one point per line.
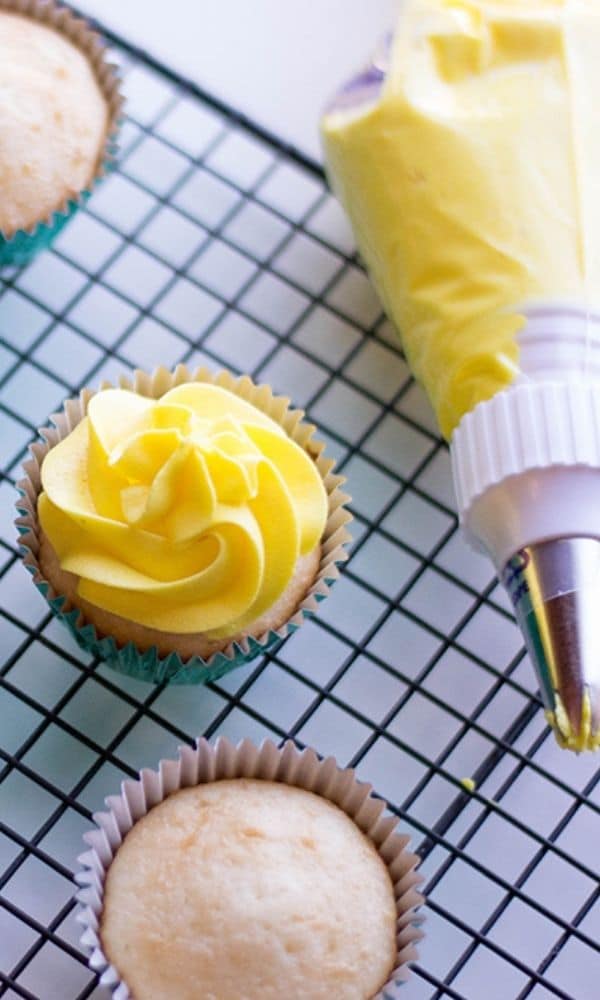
(468, 160)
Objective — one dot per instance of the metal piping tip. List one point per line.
(555, 590)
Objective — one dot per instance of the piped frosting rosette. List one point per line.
(185, 511)
(164, 508)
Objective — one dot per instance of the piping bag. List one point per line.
(467, 156)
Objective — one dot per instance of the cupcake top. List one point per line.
(253, 889)
(53, 122)
(185, 514)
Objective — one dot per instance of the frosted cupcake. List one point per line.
(248, 872)
(181, 524)
(56, 123)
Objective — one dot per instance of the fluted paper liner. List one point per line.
(25, 243)
(149, 665)
(206, 763)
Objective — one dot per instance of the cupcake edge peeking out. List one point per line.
(58, 133)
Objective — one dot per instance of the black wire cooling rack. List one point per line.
(214, 243)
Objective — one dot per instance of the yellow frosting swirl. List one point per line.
(184, 514)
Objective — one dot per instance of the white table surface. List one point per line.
(276, 61)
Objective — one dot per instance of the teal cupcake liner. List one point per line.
(208, 762)
(21, 247)
(149, 665)
(24, 244)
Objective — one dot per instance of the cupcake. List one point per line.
(248, 872)
(181, 524)
(56, 123)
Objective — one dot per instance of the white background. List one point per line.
(277, 61)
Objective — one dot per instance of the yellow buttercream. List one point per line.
(184, 514)
(585, 738)
(473, 181)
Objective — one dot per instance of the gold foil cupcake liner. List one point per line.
(208, 762)
(22, 245)
(149, 665)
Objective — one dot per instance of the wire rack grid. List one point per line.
(212, 243)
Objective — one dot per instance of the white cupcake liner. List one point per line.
(213, 762)
(149, 665)
(20, 246)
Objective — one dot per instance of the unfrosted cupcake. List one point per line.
(248, 872)
(57, 120)
(178, 519)
(249, 889)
